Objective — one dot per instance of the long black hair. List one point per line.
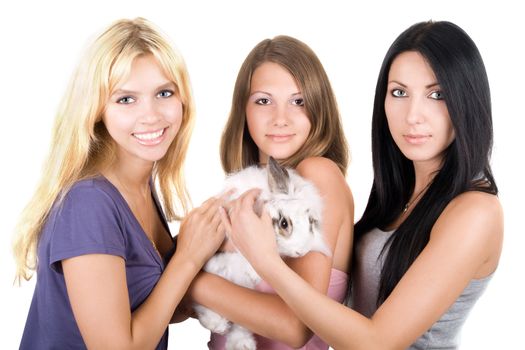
(460, 72)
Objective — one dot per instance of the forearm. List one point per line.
(269, 315)
(336, 324)
(98, 294)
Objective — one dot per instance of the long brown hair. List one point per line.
(326, 138)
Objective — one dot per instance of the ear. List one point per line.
(278, 177)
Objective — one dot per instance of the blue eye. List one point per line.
(437, 95)
(263, 101)
(126, 100)
(298, 102)
(165, 93)
(398, 93)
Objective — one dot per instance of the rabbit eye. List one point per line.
(283, 223)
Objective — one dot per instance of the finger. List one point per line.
(208, 202)
(211, 209)
(252, 192)
(228, 206)
(216, 220)
(203, 208)
(220, 228)
(265, 216)
(249, 197)
(225, 220)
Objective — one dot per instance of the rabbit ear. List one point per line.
(278, 177)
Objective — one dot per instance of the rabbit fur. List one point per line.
(295, 207)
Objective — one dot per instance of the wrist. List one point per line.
(273, 268)
(185, 263)
(268, 265)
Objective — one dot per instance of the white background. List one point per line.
(41, 42)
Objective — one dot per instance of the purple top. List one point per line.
(93, 218)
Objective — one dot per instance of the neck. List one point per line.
(132, 178)
(424, 173)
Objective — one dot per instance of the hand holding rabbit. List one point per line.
(250, 233)
(201, 232)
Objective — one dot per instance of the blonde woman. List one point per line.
(283, 106)
(96, 230)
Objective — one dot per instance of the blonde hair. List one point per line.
(81, 145)
(326, 138)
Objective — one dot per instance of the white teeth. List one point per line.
(150, 136)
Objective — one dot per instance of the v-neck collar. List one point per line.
(146, 242)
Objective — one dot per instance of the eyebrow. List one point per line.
(403, 85)
(269, 94)
(169, 84)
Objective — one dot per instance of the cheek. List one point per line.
(392, 123)
(173, 112)
(117, 121)
(394, 113)
(445, 124)
(305, 123)
(254, 123)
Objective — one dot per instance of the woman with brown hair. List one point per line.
(283, 106)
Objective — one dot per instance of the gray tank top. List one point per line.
(365, 285)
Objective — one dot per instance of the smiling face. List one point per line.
(144, 113)
(416, 112)
(275, 113)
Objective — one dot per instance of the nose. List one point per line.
(280, 117)
(150, 112)
(415, 112)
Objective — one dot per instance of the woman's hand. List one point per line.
(202, 232)
(252, 234)
(227, 245)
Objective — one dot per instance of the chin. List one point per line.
(420, 157)
(152, 156)
(282, 154)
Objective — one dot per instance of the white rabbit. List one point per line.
(295, 207)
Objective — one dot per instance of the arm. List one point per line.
(426, 291)
(97, 289)
(270, 316)
(183, 311)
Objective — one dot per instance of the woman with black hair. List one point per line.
(430, 237)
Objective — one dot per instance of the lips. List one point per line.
(149, 138)
(279, 137)
(417, 139)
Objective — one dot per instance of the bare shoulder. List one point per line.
(476, 219)
(329, 180)
(479, 208)
(320, 169)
